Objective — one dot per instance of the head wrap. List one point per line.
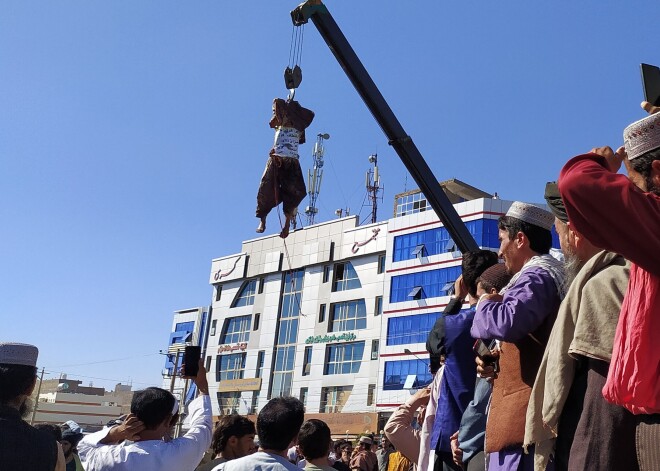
(366, 440)
(555, 203)
(12, 353)
(642, 136)
(531, 214)
(496, 276)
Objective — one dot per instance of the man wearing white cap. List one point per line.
(364, 459)
(521, 318)
(139, 443)
(622, 215)
(22, 446)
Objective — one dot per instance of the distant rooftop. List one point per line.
(414, 201)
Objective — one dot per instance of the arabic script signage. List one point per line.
(232, 348)
(234, 385)
(331, 338)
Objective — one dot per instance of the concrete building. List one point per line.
(90, 411)
(337, 314)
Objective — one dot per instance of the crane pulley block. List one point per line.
(292, 77)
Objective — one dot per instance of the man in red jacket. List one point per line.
(622, 215)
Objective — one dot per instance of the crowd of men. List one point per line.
(566, 374)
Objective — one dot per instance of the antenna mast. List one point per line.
(314, 178)
(373, 186)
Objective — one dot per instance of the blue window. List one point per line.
(345, 277)
(410, 329)
(349, 315)
(396, 373)
(424, 284)
(246, 295)
(236, 330)
(343, 358)
(229, 366)
(437, 241)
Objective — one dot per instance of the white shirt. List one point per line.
(181, 454)
(258, 461)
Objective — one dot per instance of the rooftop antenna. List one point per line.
(373, 186)
(314, 178)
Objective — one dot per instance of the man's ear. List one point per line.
(655, 172)
(232, 441)
(520, 240)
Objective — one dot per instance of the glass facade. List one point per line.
(345, 277)
(410, 329)
(433, 283)
(333, 398)
(410, 204)
(228, 402)
(287, 334)
(396, 373)
(343, 358)
(246, 295)
(229, 366)
(236, 330)
(349, 315)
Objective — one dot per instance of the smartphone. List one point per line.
(651, 83)
(191, 360)
(483, 351)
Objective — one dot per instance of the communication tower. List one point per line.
(314, 178)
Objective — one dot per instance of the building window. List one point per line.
(375, 345)
(236, 330)
(218, 292)
(345, 277)
(378, 308)
(410, 204)
(208, 364)
(381, 264)
(255, 403)
(257, 318)
(214, 324)
(334, 398)
(371, 394)
(343, 358)
(321, 313)
(229, 366)
(326, 273)
(349, 315)
(260, 364)
(304, 392)
(307, 361)
(261, 285)
(287, 334)
(396, 373)
(418, 252)
(424, 284)
(245, 296)
(228, 402)
(405, 330)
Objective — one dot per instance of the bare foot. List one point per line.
(262, 226)
(285, 231)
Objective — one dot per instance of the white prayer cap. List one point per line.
(531, 214)
(642, 136)
(12, 353)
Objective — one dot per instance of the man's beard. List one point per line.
(572, 266)
(651, 188)
(26, 408)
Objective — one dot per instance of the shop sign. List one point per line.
(232, 348)
(346, 337)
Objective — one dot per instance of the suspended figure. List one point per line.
(282, 181)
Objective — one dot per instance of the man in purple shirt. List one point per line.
(520, 318)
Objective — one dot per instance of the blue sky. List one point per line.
(133, 136)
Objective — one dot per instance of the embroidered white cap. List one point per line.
(642, 136)
(531, 214)
(12, 353)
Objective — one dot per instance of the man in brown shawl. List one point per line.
(282, 180)
(567, 416)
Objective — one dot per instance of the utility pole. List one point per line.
(176, 364)
(314, 178)
(36, 403)
(373, 186)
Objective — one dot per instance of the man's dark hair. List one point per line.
(152, 406)
(230, 426)
(643, 166)
(15, 380)
(474, 263)
(51, 429)
(314, 439)
(337, 445)
(279, 422)
(540, 240)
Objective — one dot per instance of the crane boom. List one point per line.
(396, 135)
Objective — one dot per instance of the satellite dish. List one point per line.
(62, 386)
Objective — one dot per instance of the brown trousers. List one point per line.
(283, 182)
